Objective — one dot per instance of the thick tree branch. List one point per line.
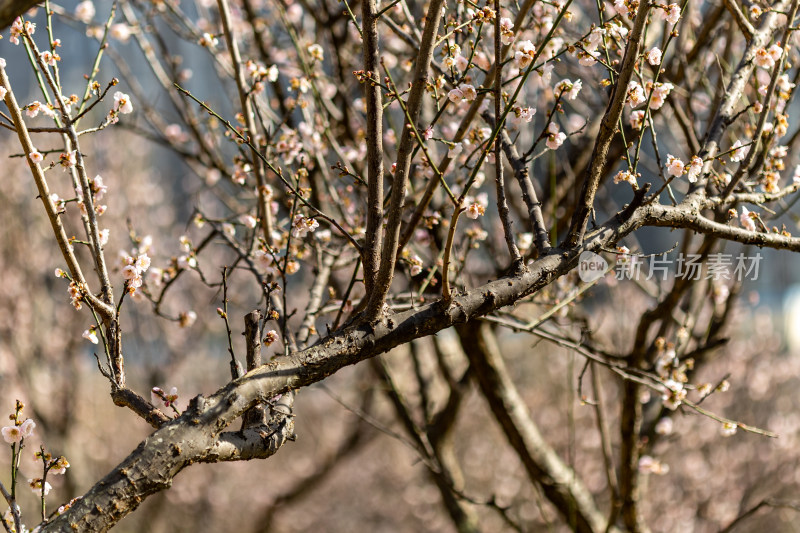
(371, 255)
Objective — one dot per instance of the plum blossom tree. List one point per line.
(369, 175)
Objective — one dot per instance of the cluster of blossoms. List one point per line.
(74, 290)
(676, 167)
(302, 225)
(672, 371)
(626, 176)
(464, 92)
(14, 434)
(18, 29)
(524, 54)
(187, 260)
(33, 109)
(133, 269)
(766, 58)
(589, 54)
(98, 190)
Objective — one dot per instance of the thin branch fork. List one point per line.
(414, 106)
(104, 309)
(608, 128)
(529, 195)
(463, 128)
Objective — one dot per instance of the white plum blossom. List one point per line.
(59, 466)
(555, 138)
(588, 59)
(208, 40)
(121, 32)
(569, 88)
(248, 220)
(635, 94)
(36, 156)
(694, 168)
(42, 489)
(302, 225)
(739, 152)
(664, 426)
(455, 95)
(122, 103)
(524, 241)
(763, 59)
(746, 220)
(775, 52)
(11, 434)
(650, 465)
(595, 39)
(91, 335)
(625, 175)
(526, 113)
(672, 13)
(653, 56)
(315, 51)
(271, 337)
(659, 94)
(161, 399)
(675, 167)
(506, 30)
(636, 119)
(728, 429)
(14, 434)
(621, 8)
(476, 206)
(524, 54)
(415, 262)
(468, 91)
